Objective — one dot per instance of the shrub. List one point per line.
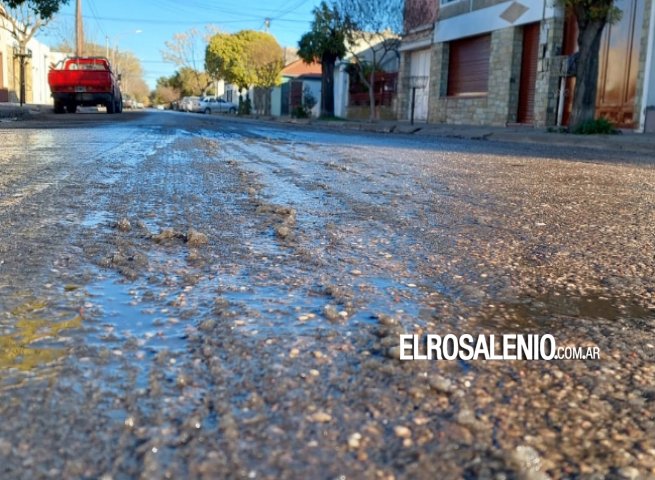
(300, 112)
(598, 126)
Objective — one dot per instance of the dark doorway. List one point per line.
(527, 86)
(284, 99)
(295, 97)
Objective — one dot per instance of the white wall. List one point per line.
(5, 48)
(276, 101)
(39, 65)
(489, 19)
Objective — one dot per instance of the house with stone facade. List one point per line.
(500, 62)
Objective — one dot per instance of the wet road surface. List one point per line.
(184, 296)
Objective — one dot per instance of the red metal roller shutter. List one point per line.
(468, 66)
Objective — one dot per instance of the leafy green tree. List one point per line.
(45, 9)
(592, 16)
(190, 82)
(325, 43)
(23, 19)
(247, 59)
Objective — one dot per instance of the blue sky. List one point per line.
(159, 20)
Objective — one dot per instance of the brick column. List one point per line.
(504, 75)
(438, 83)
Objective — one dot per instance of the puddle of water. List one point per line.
(542, 310)
(96, 219)
(122, 314)
(35, 336)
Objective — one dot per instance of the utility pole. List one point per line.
(79, 30)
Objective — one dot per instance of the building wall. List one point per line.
(548, 79)
(504, 76)
(402, 94)
(276, 101)
(36, 70)
(500, 104)
(504, 20)
(418, 13)
(646, 92)
(417, 40)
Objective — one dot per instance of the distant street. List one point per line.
(196, 296)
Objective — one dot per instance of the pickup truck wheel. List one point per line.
(59, 107)
(71, 108)
(208, 111)
(111, 106)
(233, 111)
(119, 106)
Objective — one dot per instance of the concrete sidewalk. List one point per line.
(626, 141)
(13, 111)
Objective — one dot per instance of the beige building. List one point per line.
(501, 62)
(36, 71)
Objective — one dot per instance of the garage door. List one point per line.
(468, 66)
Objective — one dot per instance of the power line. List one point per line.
(94, 12)
(184, 22)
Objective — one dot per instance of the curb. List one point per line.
(15, 112)
(595, 142)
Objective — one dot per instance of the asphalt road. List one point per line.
(186, 296)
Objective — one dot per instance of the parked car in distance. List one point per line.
(190, 104)
(210, 105)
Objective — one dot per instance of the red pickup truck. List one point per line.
(87, 81)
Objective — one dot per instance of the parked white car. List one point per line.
(190, 104)
(210, 105)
